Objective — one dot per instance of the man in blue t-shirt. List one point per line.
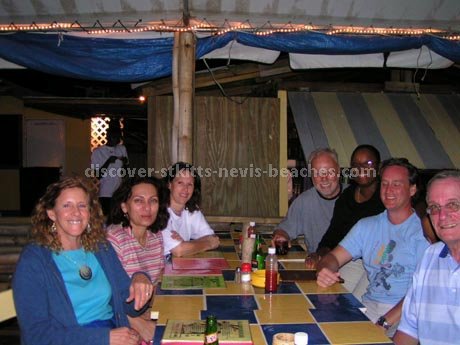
(390, 245)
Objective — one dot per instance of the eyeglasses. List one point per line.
(368, 164)
(450, 207)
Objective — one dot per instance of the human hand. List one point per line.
(140, 291)
(213, 241)
(175, 236)
(326, 277)
(312, 260)
(145, 327)
(280, 236)
(124, 336)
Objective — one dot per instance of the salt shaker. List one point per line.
(238, 275)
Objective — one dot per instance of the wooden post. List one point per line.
(183, 90)
(175, 89)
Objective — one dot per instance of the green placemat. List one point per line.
(192, 282)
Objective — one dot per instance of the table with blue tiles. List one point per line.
(328, 315)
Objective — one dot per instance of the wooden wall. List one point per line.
(237, 146)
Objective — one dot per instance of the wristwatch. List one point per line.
(383, 322)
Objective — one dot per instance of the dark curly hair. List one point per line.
(41, 232)
(124, 192)
(194, 203)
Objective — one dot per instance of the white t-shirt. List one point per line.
(189, 226)
(112, 179)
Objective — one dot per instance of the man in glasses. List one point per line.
(390, 245)
(431, 311)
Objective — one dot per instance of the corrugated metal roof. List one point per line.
(425, 129)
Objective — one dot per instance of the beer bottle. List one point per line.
(210, 332)
(258, 256)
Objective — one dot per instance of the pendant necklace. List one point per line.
(84, 270)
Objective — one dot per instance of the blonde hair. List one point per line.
(42, 232)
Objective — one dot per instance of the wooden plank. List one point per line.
(441, 123)
(263, 121)
(283, 163)
(214, 151)
(335, 124)
(159, 133)
(243, 219)
(392, 129)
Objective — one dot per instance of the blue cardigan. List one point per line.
(44, 311)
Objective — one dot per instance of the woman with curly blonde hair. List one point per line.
(69, 286)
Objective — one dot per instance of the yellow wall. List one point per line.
(77, 153)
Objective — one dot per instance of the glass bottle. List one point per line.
(271, 271)
(210, 332)
(251, 229)
(258, 256)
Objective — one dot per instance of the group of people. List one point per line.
(369, 236)
(86, 281)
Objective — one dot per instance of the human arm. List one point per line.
(393, 316)
(328, 267)
(191, 247)
(401, 338)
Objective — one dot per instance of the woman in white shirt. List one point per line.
(187, 231)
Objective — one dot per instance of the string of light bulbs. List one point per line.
(204, 26)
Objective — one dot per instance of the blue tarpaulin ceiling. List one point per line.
(143, 59)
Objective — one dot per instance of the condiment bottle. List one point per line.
(245, 272)
(271, 271)
(251, 229)
(210, 332)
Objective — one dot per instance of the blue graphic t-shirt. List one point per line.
(390, 254)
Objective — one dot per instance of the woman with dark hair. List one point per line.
(139, 211)
(69, 286)
(187, 231)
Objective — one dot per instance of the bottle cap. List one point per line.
(252, 223)
(246, 267)
(271, 250)
(300, 338)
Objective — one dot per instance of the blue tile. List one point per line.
(229, 275)
(325, 301)
(159, 331)
(315, 336)
(226, 249)
(338, 315)
(288, 287)
(231, 303)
